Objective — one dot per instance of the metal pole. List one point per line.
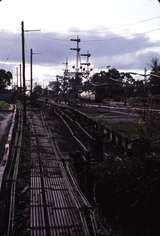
(20, 77)
(17, 76)
(77, 49)
(31, 60)
(23, 71)
(145, 75)
(77, 56)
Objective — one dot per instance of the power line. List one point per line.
(138, 22)
(107, 29)
(119, 37)
(103, 39)
(114, 27)
(58, 39)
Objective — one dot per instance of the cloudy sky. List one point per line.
(122, 33)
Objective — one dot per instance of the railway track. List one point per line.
(10, 164)
(13, 173)
(57, 205)
(86, 132)
(81, 136)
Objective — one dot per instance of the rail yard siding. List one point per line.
(95, 126)
(108, 133)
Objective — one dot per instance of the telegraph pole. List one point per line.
(77, 75)
(31, 61)
(23, 70)
(77, 49)
(23, 73)
(31, 66)
(20, 77)
(66, 66)
(17, 76)
(87, 63)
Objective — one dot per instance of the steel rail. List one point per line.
(80, 200)
(72, 204)
(72, 180)
(13, 173)
(78, 197)
(72, 188)
(79, 125)
(5, 163)
(71, 132)
(46, 219)
(88, 208)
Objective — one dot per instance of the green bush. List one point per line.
(4, 105)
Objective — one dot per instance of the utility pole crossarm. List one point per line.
(86, 55)
(85, 63)
(76, 49)
(32, 30)
(76, 40)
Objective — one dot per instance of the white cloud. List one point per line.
(61, 15)
(97, 18)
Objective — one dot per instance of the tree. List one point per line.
(75, 84)
(37, 91)
(114, 88)
(128, 84)
(107, 84)
(98, 80)
(155, 76)
(140, 88)
(87, 86)
(5, 79)
(155, 65)
(55, 87)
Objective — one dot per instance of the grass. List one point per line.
(129, 129)
(4, 105)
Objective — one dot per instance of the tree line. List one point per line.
(110, 84)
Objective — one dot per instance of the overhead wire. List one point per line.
(105, 37)
(77, 31)
(114, 37)
(107, 30)
(136, 22)
(97, 39)
(121, 36)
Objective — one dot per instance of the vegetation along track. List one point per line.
(57, 206)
